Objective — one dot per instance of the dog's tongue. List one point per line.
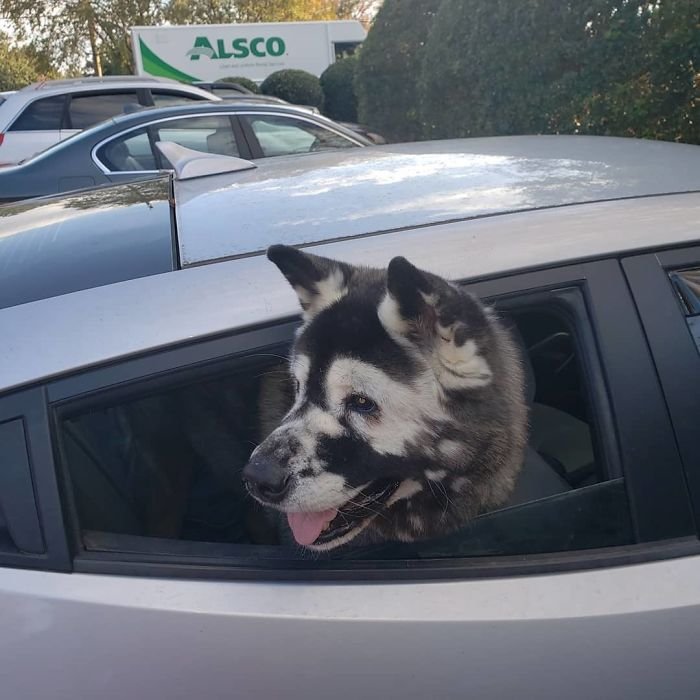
(306, 527)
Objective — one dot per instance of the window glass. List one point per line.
(212, 134)
(687, 286)
(280, 136)
(166, 99)
(41, 115)
(166, 461)
(88, 110)
(129, 153)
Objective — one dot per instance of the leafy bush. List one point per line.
(17, 66)
(243, 82)
(389, 67)
(295, 86)
(337, 83)
(616, 67)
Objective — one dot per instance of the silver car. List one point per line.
(138, 323)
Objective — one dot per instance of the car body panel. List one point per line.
(175, 307)
(50, 247)
(301, 201)
(601, 633)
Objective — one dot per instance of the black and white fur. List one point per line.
(409, 416)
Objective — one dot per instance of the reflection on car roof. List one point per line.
(354, 192)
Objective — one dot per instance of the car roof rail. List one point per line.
(94, 80)
(189, 164)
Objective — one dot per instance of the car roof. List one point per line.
(357, 192)
(20, 98)
(93, 81)
(94, 326)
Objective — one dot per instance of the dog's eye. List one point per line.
(360, 404)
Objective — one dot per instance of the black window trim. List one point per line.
(611, 309)
(674, 351)
(31, 407)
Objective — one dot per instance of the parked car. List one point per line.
(122, 149)
(44, 113)
(138, 323)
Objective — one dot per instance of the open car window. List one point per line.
(162, 462)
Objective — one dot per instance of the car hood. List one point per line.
(333, 195)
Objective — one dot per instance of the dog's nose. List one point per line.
(266, 479)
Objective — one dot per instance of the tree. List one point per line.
(389, 68)
(618, 67)
(79, 35)
(641, 74)
(338, 85)
(18, 66)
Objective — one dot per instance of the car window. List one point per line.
(211, 134)
(129, 153)
(41, 115)
(87, 110)
(165, 99)
(280, 135)
(687, 286)
(165, 460)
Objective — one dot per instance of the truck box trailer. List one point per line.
(208, 52)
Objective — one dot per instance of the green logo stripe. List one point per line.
(155, 65)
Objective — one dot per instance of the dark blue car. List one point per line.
(122, 149)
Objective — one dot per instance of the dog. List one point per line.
(409, 416)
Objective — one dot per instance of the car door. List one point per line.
(133, 153)
(600, 599)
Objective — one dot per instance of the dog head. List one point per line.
(408, 416)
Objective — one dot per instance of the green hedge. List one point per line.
(244, 82)
(614, 67)
(387, 80)
(295, 86)
(337, 83)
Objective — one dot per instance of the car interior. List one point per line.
(165, 461)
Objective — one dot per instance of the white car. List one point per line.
(139, 321)
(44, 113)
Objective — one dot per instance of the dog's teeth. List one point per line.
(326, 527)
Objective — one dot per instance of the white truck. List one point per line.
(208, 52)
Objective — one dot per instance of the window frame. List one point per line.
(30, 406)
(610, 311)
(674, 351)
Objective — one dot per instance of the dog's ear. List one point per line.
(318, 282)
(449, 326)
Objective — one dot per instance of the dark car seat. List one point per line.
(538, 479)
